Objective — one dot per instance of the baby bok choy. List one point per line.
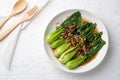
(67, 55)
(95, 49)
(61, 49)
(75, 62)
(53, 36)
(75, 18)
(57, 43)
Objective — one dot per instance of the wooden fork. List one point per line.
(27, 16)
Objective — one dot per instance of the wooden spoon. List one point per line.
(18, 7)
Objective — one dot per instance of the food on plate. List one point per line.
(76, 41)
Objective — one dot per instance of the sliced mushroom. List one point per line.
(84, 49)
(76, 38)
(72, 42)
(71, 26)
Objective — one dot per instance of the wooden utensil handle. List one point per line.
(9, 30)
(5, 20)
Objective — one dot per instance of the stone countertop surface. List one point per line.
(30, 61)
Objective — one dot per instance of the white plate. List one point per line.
(92, 18)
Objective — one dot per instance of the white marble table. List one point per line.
(30, 62)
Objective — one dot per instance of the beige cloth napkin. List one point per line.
(8, 45)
